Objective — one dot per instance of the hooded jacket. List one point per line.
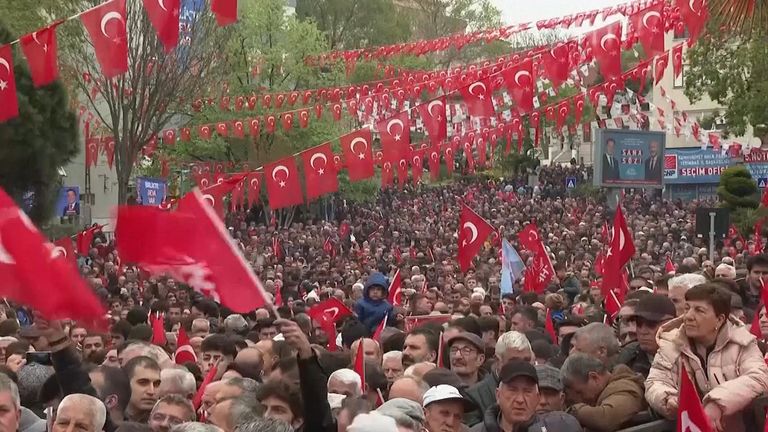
(371, 312)
(732, 375)
(619, 401)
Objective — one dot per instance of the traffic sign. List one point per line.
(762, 182)
(570, 182)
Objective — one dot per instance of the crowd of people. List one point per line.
(476, 359)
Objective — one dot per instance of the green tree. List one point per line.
(349, 24)
(153, 94)
(34, 145)
(732, 70)
(737, 188)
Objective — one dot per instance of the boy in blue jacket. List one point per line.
(373, 307)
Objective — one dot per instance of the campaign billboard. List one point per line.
(694, 165)
(629, 158)
(151, 191)
(68, 202)
(756, 162)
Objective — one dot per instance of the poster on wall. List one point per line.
(628, 158)
(756, 162)
(68, 202)
(151, 191)
(694, 166)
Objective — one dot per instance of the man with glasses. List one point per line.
(650, 313)
(170, 411)
(466, 351)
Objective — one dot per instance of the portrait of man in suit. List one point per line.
(653, 164)
(72, 207)
(610, 163)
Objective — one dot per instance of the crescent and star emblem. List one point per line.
(473, 230)
(277, 169)
(360, 155)
(606, 38)
(109, 16)
(480, 95)
(320, 171)
(389, 128)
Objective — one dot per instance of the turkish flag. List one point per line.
(214, 195)
(65, 249)
(158, 330)
(283, 186)
(193, 246)
(91, 151)
(332, 310)
(319, 171)
(529, 237)
(434, 165)
(470, 157)
(417, 165)
(40, 49)
(661, 61)
(108, 144)
(254, 187)
(620, 251)
(478, 97)
(549, 326)
(690, 413)
(677, 59)
(238, 194)
(606, 48)
(556, 64)
(669, 266)
(304, 118)
(108, 31)
(578, 105)
(395, 135)
(448, 154)
(519, 79)
(358, 154)
(360, 364)
(561, 113)
(473, 231)
(433, 116)
(164, 16)
(612, 306)
(184, 351)
(379, 329)
(85, 239)
(387, 174)
(402, 172)
(9, 102)
(225, 11)
(30, 269)
(396, 290)
(694, 14)
(648, 25)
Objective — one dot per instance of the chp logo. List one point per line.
(670, 166)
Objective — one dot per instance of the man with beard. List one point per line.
(421, 345)
(466, 351)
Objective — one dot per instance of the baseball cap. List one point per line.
(469, 337)
(549, 377)
(518, 368)
(655, 308)
(444, 392)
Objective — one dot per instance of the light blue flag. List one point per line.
(512, 267)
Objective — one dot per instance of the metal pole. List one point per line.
(712, 236)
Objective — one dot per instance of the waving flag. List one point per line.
(512, 267)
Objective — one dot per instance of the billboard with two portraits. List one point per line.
(629, 158)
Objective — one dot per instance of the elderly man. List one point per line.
(229, 414)
(371, 350)
(467, 356)
(410, 388)
(80, 412)
(550, 389)
(170, 411)
(597, 340)
(651, 312)
(178, 381)
(604, 399)
(518, 399)
(444, 409)
(511, 346)
(678, 287)
(10, 405)
(725, 271)
(392, 364)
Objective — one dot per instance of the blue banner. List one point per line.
(151, 191)
(694, 165)
(628, 158)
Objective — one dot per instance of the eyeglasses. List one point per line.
(465, 351)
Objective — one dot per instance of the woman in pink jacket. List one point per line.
(719, 353)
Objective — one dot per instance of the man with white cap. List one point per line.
(444, 409)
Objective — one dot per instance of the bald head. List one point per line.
(409, 388)
(371, 350)
(250, 362)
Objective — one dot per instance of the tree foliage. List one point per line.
(737, 188)
(34, 145)
(733, 71)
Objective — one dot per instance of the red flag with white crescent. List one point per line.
(106, 25)
(473, 231)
